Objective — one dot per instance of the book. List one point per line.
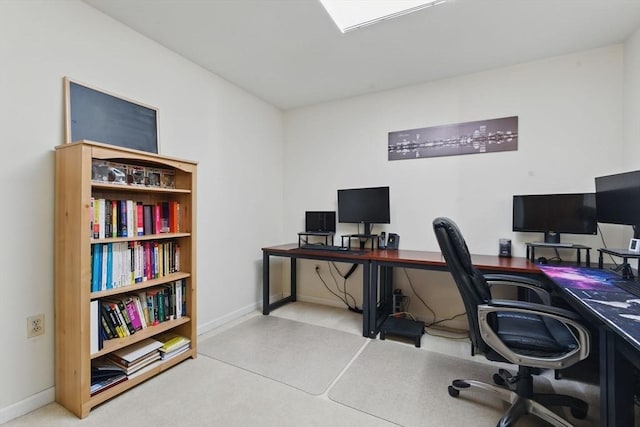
(139, 364)
(174, 224)
(134, 352)
(95, 325)
(147, 213)
(122, 219)
(175, 352)
(171, 341)
(107, 382)
(139, 219)
(96, 274)
(109, 266)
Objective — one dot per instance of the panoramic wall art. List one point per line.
(483, 136)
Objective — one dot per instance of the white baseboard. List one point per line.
(27, 405)
(332, 302)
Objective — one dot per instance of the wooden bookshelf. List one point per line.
(74, 190)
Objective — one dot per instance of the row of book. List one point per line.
(114, 265)
(124, 315)
(130, 218)
(127, 362)
(126, 174)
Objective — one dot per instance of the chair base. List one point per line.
(521, 405)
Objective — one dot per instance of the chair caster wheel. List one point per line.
(453, 392)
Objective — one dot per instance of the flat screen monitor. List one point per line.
(364, 205)
(320, 221)
(618, 199)
(553, 214)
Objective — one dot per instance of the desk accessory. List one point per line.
(505, 248)
(393, 241)
(634, 245)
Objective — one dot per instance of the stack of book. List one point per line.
(104, 377)
(172, 344)
(133, 358)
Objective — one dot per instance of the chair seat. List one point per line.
(534, 335)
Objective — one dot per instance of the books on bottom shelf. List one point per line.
(173, 344)
(135, 359)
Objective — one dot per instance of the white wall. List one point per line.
(631, 158)
(570, 130)
(235, 137)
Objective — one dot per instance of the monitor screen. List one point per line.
(553, 214)
(320, 221)
(618, 198)
(364, 205)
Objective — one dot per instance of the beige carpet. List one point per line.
(408, 386)
(301, 355)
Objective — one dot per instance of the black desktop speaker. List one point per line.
(505, 248)
(393, 241)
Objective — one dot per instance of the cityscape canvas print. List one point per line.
(483, 136)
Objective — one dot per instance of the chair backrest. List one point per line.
(472, 286)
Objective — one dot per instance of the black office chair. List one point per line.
(531, 335)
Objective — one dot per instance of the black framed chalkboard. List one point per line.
(101, 117)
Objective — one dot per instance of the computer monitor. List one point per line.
(618, 199)
(320, 221)
(364, 205)
(553, 214)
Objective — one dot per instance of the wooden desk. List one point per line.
(377, 264)
(293, 252)
(383, 262)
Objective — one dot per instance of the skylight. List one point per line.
(353, 14)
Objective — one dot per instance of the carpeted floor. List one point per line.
(301, 355)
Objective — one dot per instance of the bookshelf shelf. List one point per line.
(139, 286)
(77, 306)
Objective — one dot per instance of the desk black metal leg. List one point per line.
(600, 260)
(294, 279)
(369, 311)
(616, 384)
(265, 283)
(367, 277)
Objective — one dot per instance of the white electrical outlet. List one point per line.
(35, 325)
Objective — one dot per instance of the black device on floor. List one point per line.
(399, 326)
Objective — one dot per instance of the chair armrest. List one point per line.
(534, 307)
(541, 289)
(567, 318)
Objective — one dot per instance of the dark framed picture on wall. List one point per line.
(95, 115)
(478, 137)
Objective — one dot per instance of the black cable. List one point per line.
(417, 295)
(446, 320)
(344, 286)
(329, 289)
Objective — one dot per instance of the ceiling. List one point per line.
(290, 53)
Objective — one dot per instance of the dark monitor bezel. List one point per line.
(367, 205)
(325, 220)
(618, 198)
(552, 224)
